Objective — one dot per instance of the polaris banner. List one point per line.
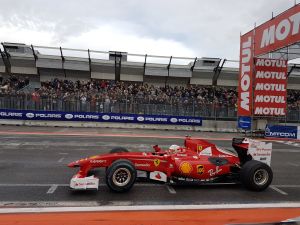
(99, 117)
(278, 131)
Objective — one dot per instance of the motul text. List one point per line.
(245, 77)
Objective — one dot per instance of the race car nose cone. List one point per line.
(73, 164)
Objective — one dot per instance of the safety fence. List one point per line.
(126, 106)
(130, 106)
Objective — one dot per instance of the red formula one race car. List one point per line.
(197, 161)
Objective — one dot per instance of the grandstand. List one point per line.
(55, 78)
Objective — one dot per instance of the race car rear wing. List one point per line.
(248, 149)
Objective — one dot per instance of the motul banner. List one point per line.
(245, 75)
(270, 87)
(281, 31)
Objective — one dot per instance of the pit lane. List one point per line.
(33, 169)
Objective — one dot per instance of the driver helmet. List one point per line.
(174, 148)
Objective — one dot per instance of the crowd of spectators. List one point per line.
(114, 91)
(293, 99)
(12, 85)
(117, 91)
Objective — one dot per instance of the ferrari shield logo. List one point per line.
(156, 162)
(200, 169)
(199, 148)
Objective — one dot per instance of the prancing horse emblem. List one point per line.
(156, 162)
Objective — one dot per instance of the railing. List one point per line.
(131, 106)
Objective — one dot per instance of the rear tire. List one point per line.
(256, 176)
(118, 149)
(121, 175)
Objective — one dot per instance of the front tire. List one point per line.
(121, 175)
(256, 176)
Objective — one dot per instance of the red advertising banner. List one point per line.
(245, 75)
(281, 31)
(270, 87)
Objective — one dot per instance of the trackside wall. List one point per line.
(207, 125)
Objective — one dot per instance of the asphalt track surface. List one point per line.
(33, 169)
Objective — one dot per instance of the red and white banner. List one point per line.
(281, 31)
(270, 87)
(245, 75)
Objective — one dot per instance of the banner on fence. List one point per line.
(278, 131)
(99, 117)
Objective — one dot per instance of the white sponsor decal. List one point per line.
(84, 183)
(142, 164)
(105, 117)
(271, 63)
(285, 28)
(214, 172)
(270, 87)
(29, 115)
(10, 114)
(173, 120)
(68, 116)
(140, 118)
(98, 161)
(245, 77)
(225, 152)
(159, 176)
(122, 118)
(80, 116)
(48, 115)
(269, 111)
(158, 119)
(270, 98)
(206, 152)
(270, 75)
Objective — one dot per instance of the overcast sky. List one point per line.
(191, 28)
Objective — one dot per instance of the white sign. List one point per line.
(260, 151)
(84, 183)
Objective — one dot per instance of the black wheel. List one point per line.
(256, 176)
(121, 175)
(118, 149)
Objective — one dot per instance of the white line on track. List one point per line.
(52, 189)
(148, 207)
(63, 153)
(171, 189)
(287, 185)
(293, 164)
(278, 190)
(61, 159)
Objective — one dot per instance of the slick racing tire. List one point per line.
(118, 149)
(256, 176)
(121, 175)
